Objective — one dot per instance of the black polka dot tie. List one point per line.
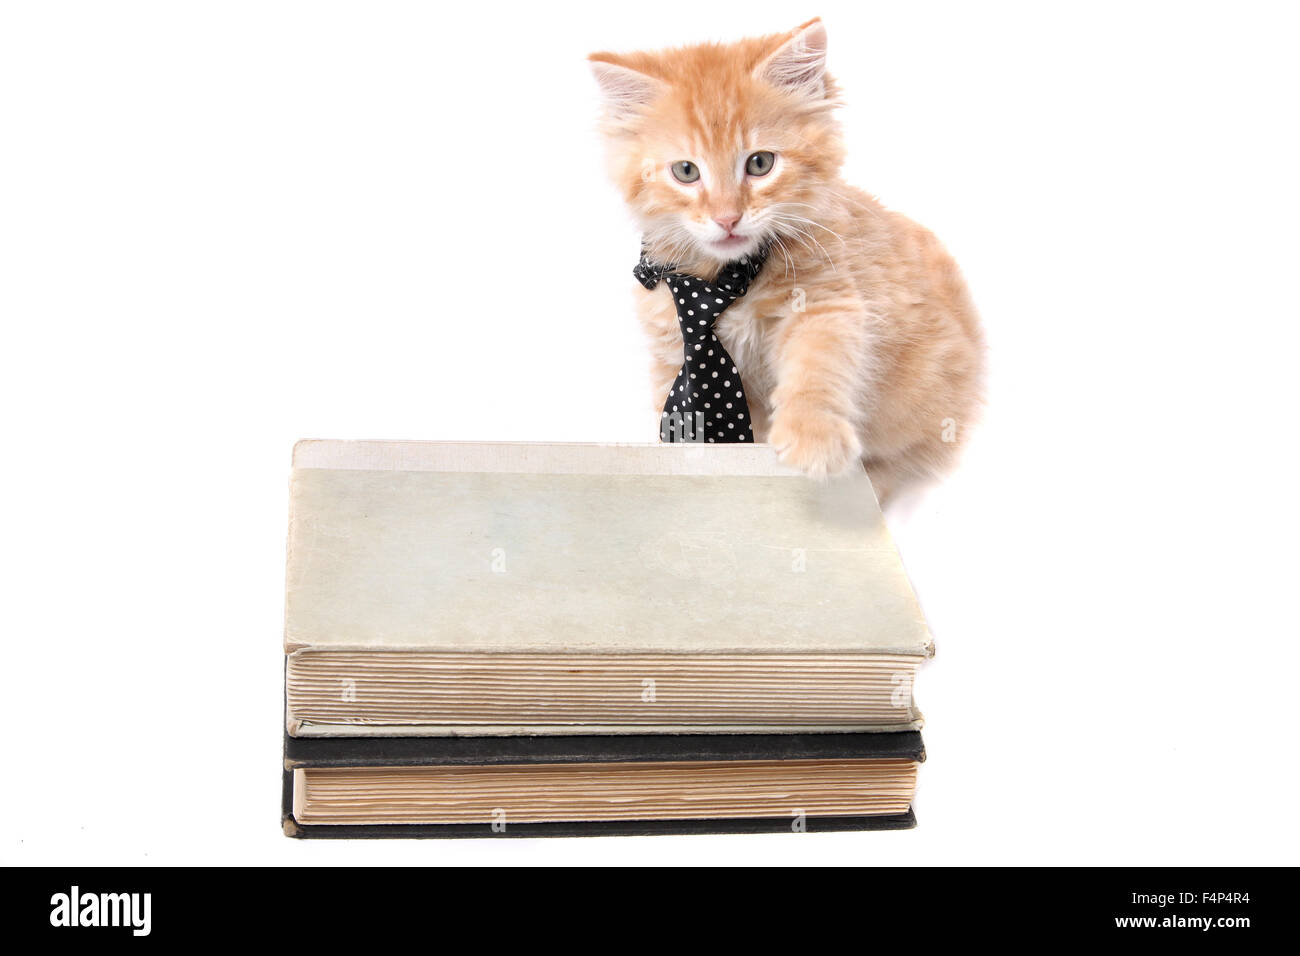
(706, 402)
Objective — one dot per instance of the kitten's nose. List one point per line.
(728, 220)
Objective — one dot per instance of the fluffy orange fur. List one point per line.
(858, 341)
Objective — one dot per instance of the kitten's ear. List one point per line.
(799, 63)
(626, 91)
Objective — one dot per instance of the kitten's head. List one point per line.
(720, 148)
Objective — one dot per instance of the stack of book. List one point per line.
(543, 639)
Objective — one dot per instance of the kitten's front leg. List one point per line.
(820, 356)
(659, 322)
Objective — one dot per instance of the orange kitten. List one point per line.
(858, 339)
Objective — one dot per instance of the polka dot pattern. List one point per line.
(706, 402)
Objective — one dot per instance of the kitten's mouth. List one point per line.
(732, 242)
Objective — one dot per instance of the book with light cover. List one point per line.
(444, 589)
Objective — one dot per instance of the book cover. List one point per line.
(440, 588)
(727, 787)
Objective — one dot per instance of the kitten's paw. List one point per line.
(817, 443)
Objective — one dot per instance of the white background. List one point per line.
(227, 226)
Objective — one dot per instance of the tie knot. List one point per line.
(698, 303)
(733, 280)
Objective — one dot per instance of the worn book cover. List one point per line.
(594, 785)
(451, 588)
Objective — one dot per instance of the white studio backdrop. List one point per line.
(226, 226)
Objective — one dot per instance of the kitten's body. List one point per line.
(858, 339)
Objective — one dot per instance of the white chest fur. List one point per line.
(744, 335)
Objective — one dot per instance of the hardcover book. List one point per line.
(607, 785)
(438, 589)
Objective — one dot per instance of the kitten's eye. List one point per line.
(760, 164)
(685, 171)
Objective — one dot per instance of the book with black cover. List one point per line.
(724, 774)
